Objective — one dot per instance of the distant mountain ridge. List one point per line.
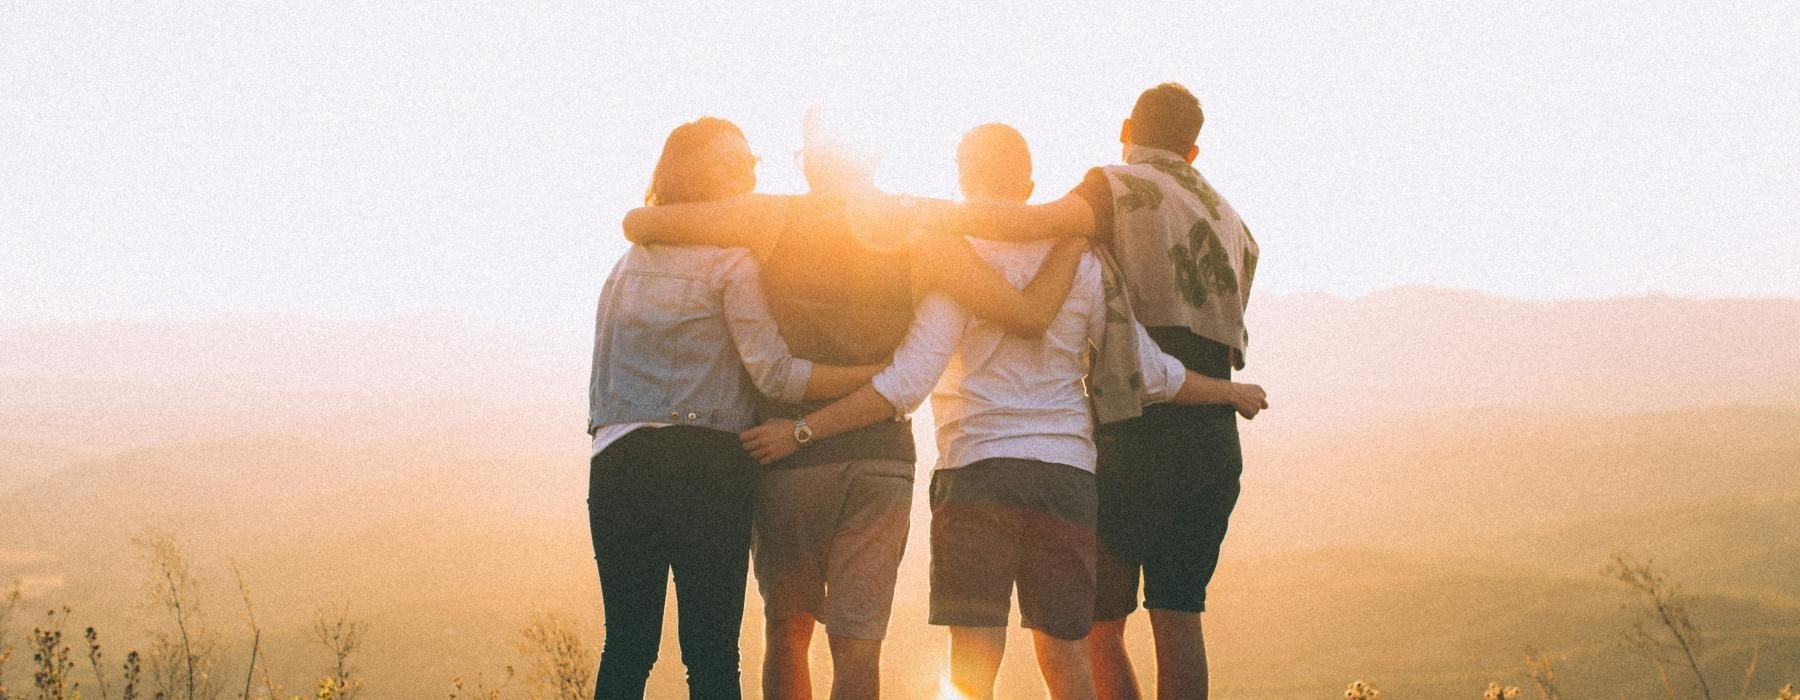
(1330, 364)
(140, 384)
(1329, 361)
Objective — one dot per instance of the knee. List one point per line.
(1107, 632)
(855, 653)
(627, 660)
(711, 661)
(796, 629)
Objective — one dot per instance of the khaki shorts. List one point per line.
(828, 540)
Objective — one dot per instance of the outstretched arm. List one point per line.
(896, 391)
(1007, 221)
(748, 221)
(949, 264)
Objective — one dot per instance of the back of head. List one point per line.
(1167, 117)
(702, 160)
(994, 162)
(834, 157)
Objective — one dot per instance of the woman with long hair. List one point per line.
(683, 342)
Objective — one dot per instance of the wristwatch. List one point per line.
(802, 431)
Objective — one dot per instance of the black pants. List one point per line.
(681, 499)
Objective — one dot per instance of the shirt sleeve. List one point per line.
(766, 356)
(921, 358)
(1090, 283)
(1163, 374)
(1096, 190)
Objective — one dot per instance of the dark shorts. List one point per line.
(998, 522)
(1168, 482)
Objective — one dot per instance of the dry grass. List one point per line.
(562, 663)
(9, 603)
(559, 663)
(341, 635)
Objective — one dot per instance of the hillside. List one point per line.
(1330, 364)
(1442, 626)
(1414, 351)
(1482, 473)
(448, 550)
(1432, 491)
(23, 463)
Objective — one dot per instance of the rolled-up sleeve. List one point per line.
(921, 358)
(767, 357)
(1163, 374)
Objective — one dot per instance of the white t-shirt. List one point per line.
(609, 434)
(1001, 395)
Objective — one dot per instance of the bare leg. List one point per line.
(855, 668)
(1114, 678)
(1064, 664)
(1180, 655)
(785, 670)
(975, 660)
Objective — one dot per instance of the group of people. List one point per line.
(756, 357)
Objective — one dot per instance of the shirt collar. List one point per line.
(1135, 154)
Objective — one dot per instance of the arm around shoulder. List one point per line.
(895, 391)
(951, 265)
(1007, 221)
(748, 221)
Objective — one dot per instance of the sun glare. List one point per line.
(947, 690)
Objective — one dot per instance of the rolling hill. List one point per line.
(1438, 483)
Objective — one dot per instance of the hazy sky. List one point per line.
(371, 160)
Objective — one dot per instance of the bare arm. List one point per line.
(1006, 221)
(1199, 389)
(1165, 379)
(864, 406)
(748, 221)
(949, 264)
(832, 381)
(773, 441)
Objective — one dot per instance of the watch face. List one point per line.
(802, 433)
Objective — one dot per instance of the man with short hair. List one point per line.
(1168, 480)
(1013, 496)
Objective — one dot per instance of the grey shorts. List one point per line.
(828, 540)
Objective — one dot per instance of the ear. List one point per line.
(1193, 152)
(1125, 132)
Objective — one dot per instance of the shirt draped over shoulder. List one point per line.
(1188, 259)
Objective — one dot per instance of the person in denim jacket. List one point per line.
(683, 346)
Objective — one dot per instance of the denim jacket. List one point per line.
(684, 336)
